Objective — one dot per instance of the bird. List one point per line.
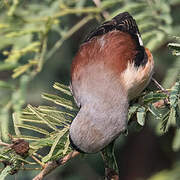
(111, 68)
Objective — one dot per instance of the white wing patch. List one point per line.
(140, 40)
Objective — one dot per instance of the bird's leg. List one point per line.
(111, 168)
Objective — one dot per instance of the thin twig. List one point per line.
(105, 14)
(164, 90)
(111, 168)
(158, 85)
(4, 144)
(42, 54)
(88, 10)
(51, 165)
(68, 34)
(30, 169)
(38, 161)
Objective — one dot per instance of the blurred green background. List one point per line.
(38, 40)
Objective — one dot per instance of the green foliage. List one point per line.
(5, 172)
(52, 123)
(167, 114)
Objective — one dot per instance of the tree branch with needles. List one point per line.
(51, 165)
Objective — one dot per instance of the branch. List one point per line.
(111, 168)
(158, 85)
(51, 165)
(71, 31)
(105, 14)
(4, 144)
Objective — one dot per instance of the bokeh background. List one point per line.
(38, 40)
